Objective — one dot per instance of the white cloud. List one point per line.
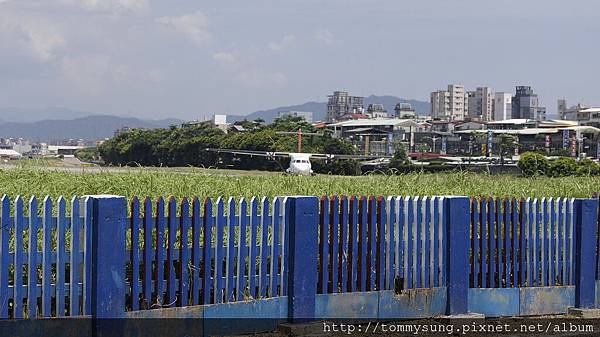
(225, 58)
(325, 36)
(39, 38)
(285, 42)
(115, 6)
(194, 26)
(255, 77)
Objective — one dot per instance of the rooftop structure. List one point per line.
(377, 111)
(404, 111)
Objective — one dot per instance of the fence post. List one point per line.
(586, 222)
(302, 228)
(457, 254)
(108, 256)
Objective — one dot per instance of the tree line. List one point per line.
(186, 146)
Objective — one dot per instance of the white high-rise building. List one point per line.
(440, 104)
(480, 104)
(451, 104)
(458, 102)
(502, 106)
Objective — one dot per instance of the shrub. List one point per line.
(533, 164)
(400, 158)
(588, 168)
(562, 167)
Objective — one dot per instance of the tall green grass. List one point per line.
(28, 181)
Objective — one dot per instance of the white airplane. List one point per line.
(299, 162)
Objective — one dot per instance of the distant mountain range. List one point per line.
(54, 123)
(88, 128)
(319, 109)
(20, 115)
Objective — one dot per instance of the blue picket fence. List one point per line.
(204, 252)
(44, 274)
(196, 252)
(521, 243)
(369, 243)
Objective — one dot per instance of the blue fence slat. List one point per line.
(75, 277)
(570, 243)
(425, 255)
(391, 267)
(184, 253)
(558, 242)
(537, 232)
(207, 251)
(61, 226)
(522, 220)
(566, 245)
(220, 223)
(242, 252)
(371, 243)
(263, 281)
(553, 238)
(230, 267)
(4, 255)
(408, 239)
(530, 241)
(443, 240)
(171, 239)
(87, 254)
(323, 246)
(515, 242)
(402, 216)
(334, 245)
(160, 250)
(135, 257)
(362, 248)
(32, 259)
(506, 245)
(474, 244)
(419, 230)
(485, 252)
(253, 248)
(561, 242)
(275, 251)
(284, 248)
(344, 249)
(541, 242)
(19, 224)
(511, 245)
(380, 258)
(500, 261)
(353, 245)
(148, 252)
(544, 241)
(492, 241)
(437, 238)
(551, 243)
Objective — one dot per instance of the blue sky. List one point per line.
(188, 59)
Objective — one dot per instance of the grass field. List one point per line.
(29, 180)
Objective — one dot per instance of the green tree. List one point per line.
(400, 158)
(508, 144)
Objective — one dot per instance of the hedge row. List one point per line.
(534, 164)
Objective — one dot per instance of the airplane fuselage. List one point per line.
(300, 164)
